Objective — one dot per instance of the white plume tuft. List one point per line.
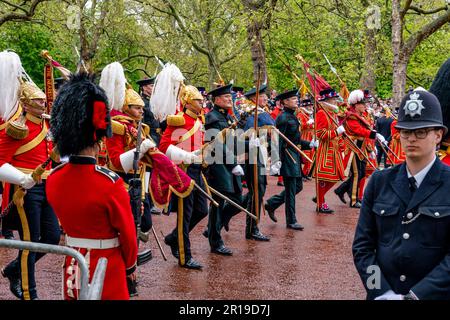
(164, 99)
(113, 81)
(355, 96)
(11, 71)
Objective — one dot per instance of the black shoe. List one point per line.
(314, 199)
(155, 210)
(295, 226)
(257, 235)
(341, 196)
(173, 248)
(270, 212)
(143, 236)
(356, 205)
(205, 233)
(308, 178)
(192, 264)
(132, 287)
(15, 285)
(325, 210)
(222, 250)
(280, 184)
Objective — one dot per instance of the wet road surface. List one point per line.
(315, 263)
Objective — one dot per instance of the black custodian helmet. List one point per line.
(420, 109)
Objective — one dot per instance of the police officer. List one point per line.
(403, 232)
(289, 165)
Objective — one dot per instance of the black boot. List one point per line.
(15, 284)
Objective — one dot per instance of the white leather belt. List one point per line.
(92, 243)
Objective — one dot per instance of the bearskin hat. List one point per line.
(80, 115)
(441, 89)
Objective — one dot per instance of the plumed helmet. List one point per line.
(420, 109)
(29, 92)
(441, 89)
(188, 94)
(80, 115)
(132, 98)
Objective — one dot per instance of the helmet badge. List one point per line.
(414, 105)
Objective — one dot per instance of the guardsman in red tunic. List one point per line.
(127, 109)
(182, 142)
(372, 156)
(395, 146)
(90, 201)
(307, 127)
(330, 168)
(25, 149)
(357, 127)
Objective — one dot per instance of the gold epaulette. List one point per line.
(176, 120)
(17, 129)
(117, 128)
(146, 129)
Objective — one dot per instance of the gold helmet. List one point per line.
(29, 92)
(188, 94)
(132, 98)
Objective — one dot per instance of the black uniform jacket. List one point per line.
(406, 234)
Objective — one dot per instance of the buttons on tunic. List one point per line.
(436, 214)
(382, 211)
(402, 278)
(406, 236)
(409, 215)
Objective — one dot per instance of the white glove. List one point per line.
(314, 144)
(275, 168)
(10, 174)
(390, 295)
(178, 155)
(381, 139)
(238, 171)
(340, 129)
(254, 142)
(373, 155)
(310, 121)
(146, 145)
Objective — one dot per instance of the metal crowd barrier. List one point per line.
(88, 291)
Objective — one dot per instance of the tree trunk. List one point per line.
(257, 49)
(399, 62)
(368, 77)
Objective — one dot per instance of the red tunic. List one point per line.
(330, 166)
(26, 154)
(188, 137)
(276, 112)
(359, 129)
(91, 202)
(395, 146)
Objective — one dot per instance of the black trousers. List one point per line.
(351, 185)
(217, 216)
(191, 210)
(38, 223)
(251, 224)
(292, 186)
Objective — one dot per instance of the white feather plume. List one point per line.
(11, 71)
(355, 96)
(113, 81)
(164, 99)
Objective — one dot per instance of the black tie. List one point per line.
(412, 184)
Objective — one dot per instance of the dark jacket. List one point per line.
(406, 234)
(149, 119)
(220, 176)
(289, 125)
(383, 127)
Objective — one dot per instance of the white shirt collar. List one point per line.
(419, 176)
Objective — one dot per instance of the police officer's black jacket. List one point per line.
(406, 234)
(149, 119)
(220, 176)
(289, 125)
(383, 127)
